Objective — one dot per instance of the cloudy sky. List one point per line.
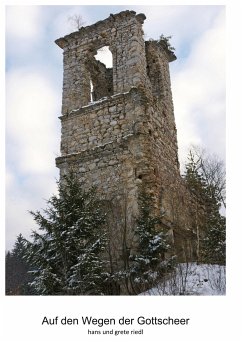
(34, 87)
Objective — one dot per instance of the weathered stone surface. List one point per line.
(126, 138)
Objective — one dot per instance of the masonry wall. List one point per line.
(122, 137)
(124, 35)
(101, 142)
(98, 124)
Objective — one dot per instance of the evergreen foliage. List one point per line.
(66, 253)
(194, 179)
(17, 276)
(166, 40)
(214, 242)
(148, 263)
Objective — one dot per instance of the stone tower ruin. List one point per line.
(118, 125)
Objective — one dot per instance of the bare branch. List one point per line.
(212, 169)
(76, 21)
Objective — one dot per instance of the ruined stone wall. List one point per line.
(124, 35)
(98, 124)
(102, 144)
(100, 141)
(125, 138)
(101, 79)
(158, 58)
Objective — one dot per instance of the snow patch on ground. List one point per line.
(192, 279)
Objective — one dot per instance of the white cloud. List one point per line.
(31, 118)
(61, 25)
(32, 127)
(199, 93)
(104, 55)
(23, 22)
(32, 142)
(184, 23)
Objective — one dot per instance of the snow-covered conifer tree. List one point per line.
(66, 252)
(148, 263)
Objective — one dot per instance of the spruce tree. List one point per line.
(148, 263)
(17, 276)
(214, 241)
(193, 177)
(66, 253)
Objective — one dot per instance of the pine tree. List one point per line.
(148, 264)
(214, 241)
(66, 253)
(17, 276)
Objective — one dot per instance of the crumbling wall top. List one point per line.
(85, 78)
(113, 21)
(163, 47)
